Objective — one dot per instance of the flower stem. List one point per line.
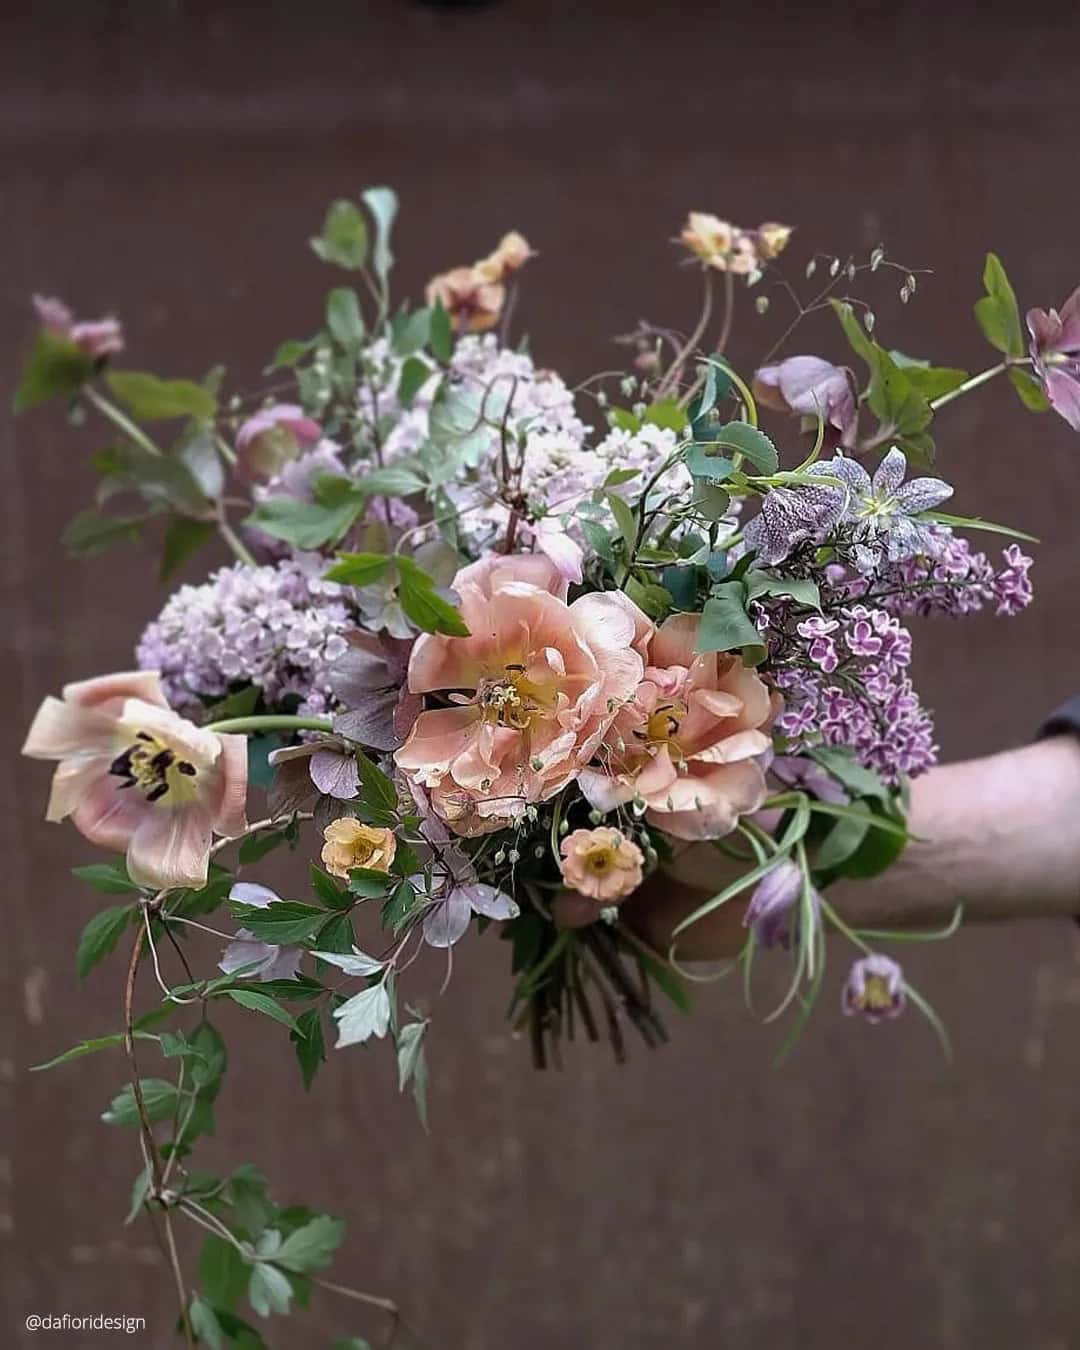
(973, 383)
(235, 543)
(121, 420)
(271, 722)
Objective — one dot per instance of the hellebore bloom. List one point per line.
(369, 680)
(349, 843)
(473, 301)
(134, 775)
(95, 338)
(774, 898)
(542, 682)
(263, 960)
(813, 388)
(883, 508)
(272, 437)
(1055, 355)
(688, 744)
(874, 988)
(602, 864)
(457, 896)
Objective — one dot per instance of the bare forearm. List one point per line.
(1000, 835)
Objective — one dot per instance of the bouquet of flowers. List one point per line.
(496, 649)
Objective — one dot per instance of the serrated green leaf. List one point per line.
(282, 921)
(269, 1291)
(625, 519)
(257, 846)
(746, 440)
(726, 626)
(442, 334)
(159, 1098)
(804, 592)
(415, 373)
(402, 904)
(667, 414)
(311, 1247)
(309, 1044)
(152, 399)
(111, 878)
(307, 525)
(223, 1274)
(259, 1002)
(90, 532)
(358, 569)
(997, 312)
(423, 605)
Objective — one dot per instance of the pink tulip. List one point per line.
(136, 776)
(690, 744)
(544, 682)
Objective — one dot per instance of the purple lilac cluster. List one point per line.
(952, 580)
(843, 676)
(279, 627)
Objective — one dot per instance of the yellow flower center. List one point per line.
(153, 768)
(512, 701)
(876, 994)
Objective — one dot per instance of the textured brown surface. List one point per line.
(169, 164)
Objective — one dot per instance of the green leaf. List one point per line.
(242, 703)
(364, 1015)
(422, 603)
(410, 332)
(101, 935)
(848, 772)
(804, 592)
(843, 838)
(343, 241)
(90, 532)
(307, 525)
(746, 440)
(159, 1098)
(655, 600)
(269, 1291)
(90, 1047)
(708, 468)
(997, 312)
(309, 1043)
(358, 569)
(292, 351)
(415, 373)
(1029, 389)
(377, 788)
(183, 538)
(382, 203)
(343, 316)
(262, 1003)
(891, 393)
(975, 523)
(151, 399)
(667, 414)
(930, 381)
(412, 1065)
(327, 889)
(257, 846)
(111, 877)
(669, 981)
(351, 1343)
(625, 519)
(55, 366)
(624, 420)
(204, 1321)
(311, 1247)
(442, 334)
(726, 626)
(401, 906)
(223, 1273)
(336, 935)
(598, 539)
(282, 921)
(395, 480)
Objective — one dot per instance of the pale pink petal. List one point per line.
(335, 774)
(231, 817)
(62, 729)
(675, 642)
(437, 737)
(189, 742)
(140, 684)
(438, 662)
(743, 745)
(490, 574)
(171, 847)
(567, 555)
(709, 806)
(488, 900)
(448, 921)
(1063, 391)
(106, 813)
(604, 793)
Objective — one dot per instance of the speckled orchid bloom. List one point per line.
(134, 775)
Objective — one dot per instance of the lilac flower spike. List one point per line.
(1055, 354)
(264, 960)
(771, 905)
(882, 508)
(874, 988)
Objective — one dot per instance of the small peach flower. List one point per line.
(688, 745)
(772, 239)
(536, 685)
(709, 237)
(473, 301)
(512, 253)
(134, 775)
(349, 844)
(601, 863)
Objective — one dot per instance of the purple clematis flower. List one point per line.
(883, 508)
(771, 905)
(874, 988)
(265, 960)
(814, 388)
(1055, 355)
(458, 895)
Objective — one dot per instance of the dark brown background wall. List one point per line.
(168, 162)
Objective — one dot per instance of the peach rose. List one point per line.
(602, 864)
(537, 684)
(688, 744)
(349, 844)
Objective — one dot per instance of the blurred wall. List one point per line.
(168, 162)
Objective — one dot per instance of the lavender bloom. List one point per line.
(266, 960)
(457, 896)
(279, 627)
(788, 516)
(882, 508)
(1055, 355)
(770, 909)
(814, 388)
(874, 988)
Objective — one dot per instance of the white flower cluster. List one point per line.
(278, 627)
